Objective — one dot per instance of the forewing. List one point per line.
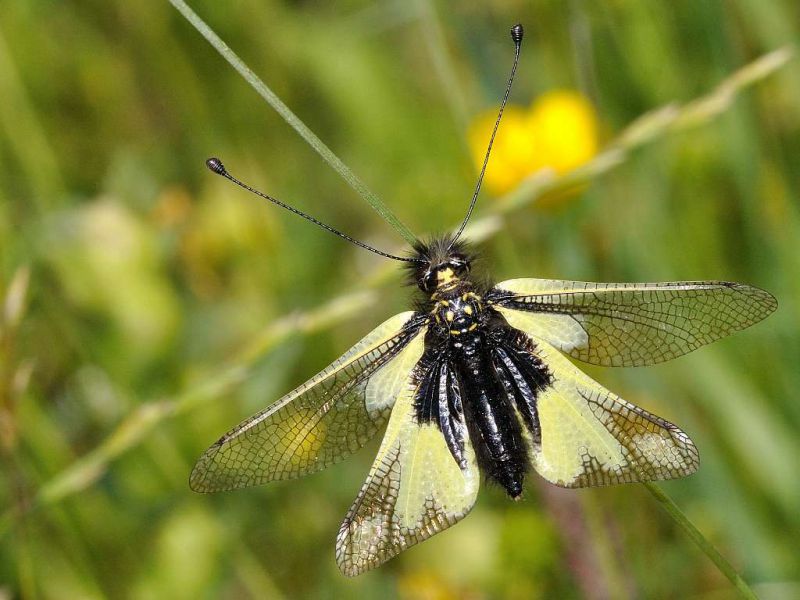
(324, 420)
(629, 324)
(591, 437)
(414, 490)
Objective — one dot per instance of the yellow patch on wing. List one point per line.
(414, 489)
(591, 437)
(386, 385)
(564, 332)
(430, 475)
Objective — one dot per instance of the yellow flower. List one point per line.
(559, 131)
(513, 152)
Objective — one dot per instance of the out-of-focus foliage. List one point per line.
(147, 306)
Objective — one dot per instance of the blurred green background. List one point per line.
(148, 306)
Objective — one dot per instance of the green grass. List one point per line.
(148, 306)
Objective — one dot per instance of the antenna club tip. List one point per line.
(516, 33)
(215, 165)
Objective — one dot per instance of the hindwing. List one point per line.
(416, 487)
(587, 436)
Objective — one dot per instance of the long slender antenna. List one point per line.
(215, 165)
(516, 35)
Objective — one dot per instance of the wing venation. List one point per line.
(414, 489)
(591, 437)
(630, 324)
(322, 421)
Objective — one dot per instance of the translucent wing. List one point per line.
(591, 437)
(327, 418)
(629, 324)
(414, 490)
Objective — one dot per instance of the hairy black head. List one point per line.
(437, 256)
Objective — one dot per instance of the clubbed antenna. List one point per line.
(215, 165)
(516, 35)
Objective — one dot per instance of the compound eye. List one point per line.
(459, 266)
(429, 281)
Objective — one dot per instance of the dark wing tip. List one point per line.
(344, 559)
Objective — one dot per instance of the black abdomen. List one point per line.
(487, 379)
(494, 429)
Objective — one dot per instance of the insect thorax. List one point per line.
(457, 310)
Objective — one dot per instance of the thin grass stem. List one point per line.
(301, 128)
(434, 39)
(702, 542)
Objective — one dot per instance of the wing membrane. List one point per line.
(591, 437)
(414, 490)
(324, 420)
(629, 324)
